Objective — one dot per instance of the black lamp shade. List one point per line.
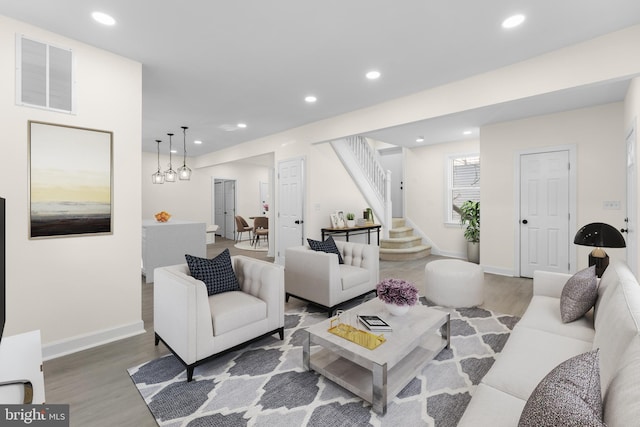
(600, 235)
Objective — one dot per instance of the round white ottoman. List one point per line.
(454, 283)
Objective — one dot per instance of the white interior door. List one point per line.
(229, 209)
(290, 205)
(218, 207)
(632, 200)
(391, 160)
(544, 212)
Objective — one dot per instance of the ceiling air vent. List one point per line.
(44, 75)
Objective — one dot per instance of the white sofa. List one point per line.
(540, 341)
(197, 327)
(317, 277)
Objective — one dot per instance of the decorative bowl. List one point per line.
(162, 216)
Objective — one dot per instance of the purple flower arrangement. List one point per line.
(397, 291)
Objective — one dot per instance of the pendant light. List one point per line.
(184, 172)
(158, 177)
(170, 175)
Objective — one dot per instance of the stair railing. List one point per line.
(361, 161)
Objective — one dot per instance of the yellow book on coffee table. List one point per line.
(358, 336)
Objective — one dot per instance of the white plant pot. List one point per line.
(396, 310)
(473, 252)
(351, 223)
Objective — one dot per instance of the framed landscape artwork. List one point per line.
(70, 181)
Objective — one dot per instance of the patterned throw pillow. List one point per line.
(568, 396)
(328, 246)
(217, 273)
(579, 294)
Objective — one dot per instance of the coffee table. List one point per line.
(378, 375)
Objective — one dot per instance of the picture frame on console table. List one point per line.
(70, 181)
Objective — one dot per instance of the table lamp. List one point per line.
(600, 235)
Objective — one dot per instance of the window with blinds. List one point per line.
(463, 183)
(44, 76)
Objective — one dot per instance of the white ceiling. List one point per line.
(210, 64)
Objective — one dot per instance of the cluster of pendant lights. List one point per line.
(184, 173)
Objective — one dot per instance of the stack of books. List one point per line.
(374, 323)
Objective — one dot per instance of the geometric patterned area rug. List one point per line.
(264, 384)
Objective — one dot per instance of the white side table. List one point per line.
(21, 362)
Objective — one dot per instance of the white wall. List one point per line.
(191, 200)
(599, 137)
(248, 178)
(78, 291)
(425, 184)
(184, 200)
(582, 64)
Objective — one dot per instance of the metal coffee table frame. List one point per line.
(378, 375)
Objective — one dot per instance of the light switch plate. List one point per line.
(611, 204)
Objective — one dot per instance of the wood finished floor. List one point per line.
(100, 392)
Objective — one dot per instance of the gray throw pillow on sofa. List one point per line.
(568, 396)
(579, 294)
(217, 273)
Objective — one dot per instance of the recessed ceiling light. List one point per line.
(242, 125)
(372, 75)
(420, 139)
(197, 141)
(513, 21)
(310, 99)
(103, 18)
(466, 132)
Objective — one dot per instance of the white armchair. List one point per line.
(197, 327)
(317, 277)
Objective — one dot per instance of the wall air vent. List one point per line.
(44, 76)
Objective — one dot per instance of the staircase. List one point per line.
(402, 245)
(361, 161)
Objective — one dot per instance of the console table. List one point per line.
(352, 231)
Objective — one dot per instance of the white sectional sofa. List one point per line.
(540, 341)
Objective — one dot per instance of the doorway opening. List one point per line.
(224, 207)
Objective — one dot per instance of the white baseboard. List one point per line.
(450, 254)
(499, 271)
(94, 339)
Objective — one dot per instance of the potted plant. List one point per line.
(470, 216)
(351, 220)
(397, 295)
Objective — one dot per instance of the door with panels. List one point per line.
(544, 212)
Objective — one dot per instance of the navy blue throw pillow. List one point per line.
(328, 246)
(217, 273)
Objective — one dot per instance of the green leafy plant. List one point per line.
(351, 216)
(470, 216)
